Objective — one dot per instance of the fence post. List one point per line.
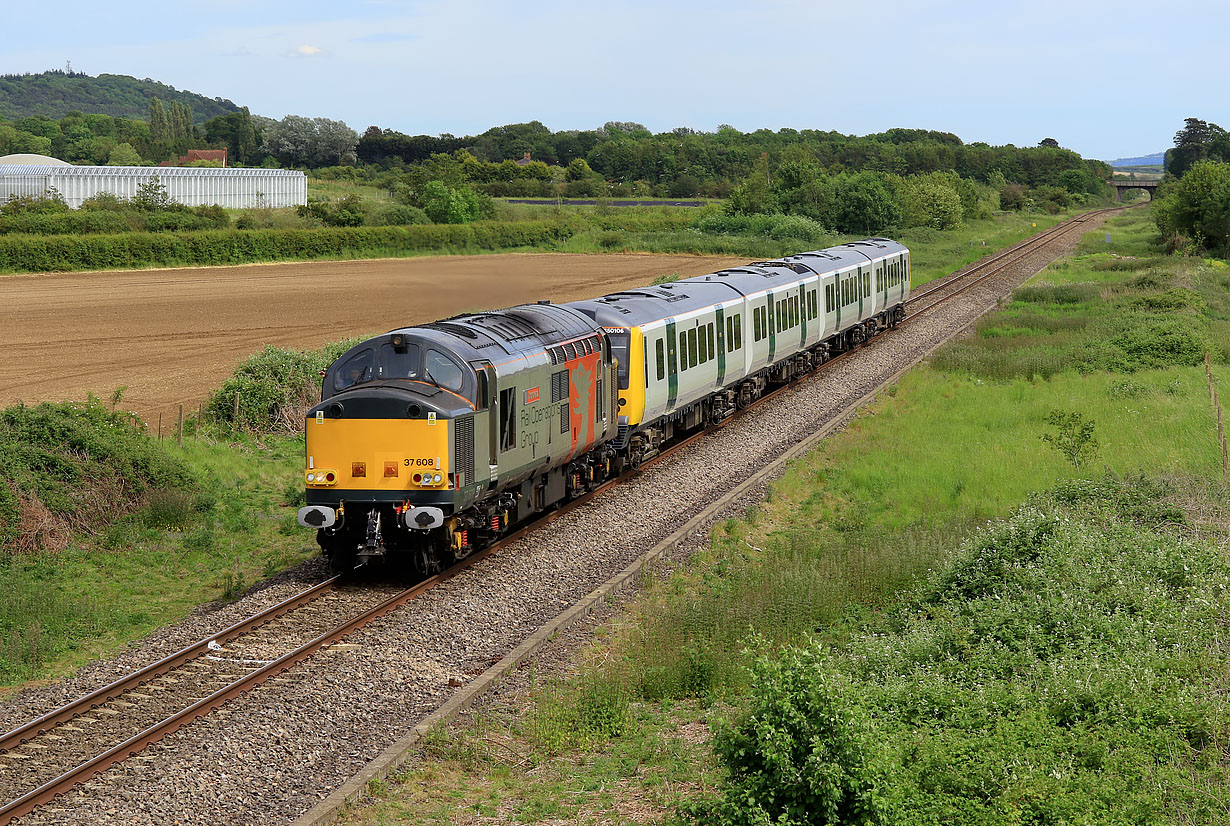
(179, 432)
(235, 417)
(160, 427)
(200, 416)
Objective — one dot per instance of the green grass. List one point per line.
(60, 609)
(1087, 684)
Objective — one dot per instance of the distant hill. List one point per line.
(57, 93)
(1145, 160)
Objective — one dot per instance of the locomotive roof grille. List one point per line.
(455, 329)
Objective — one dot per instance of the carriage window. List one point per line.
(755, 324)
(442, 370)
(683, 350)
(738, 331)
(355, 370)
(704, 347)
(712, 350)
(659, 351)
(692, 362)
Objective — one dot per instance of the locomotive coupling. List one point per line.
(317, 516)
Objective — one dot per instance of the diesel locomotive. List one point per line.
(432, 441)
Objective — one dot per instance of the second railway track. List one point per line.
(46, 757)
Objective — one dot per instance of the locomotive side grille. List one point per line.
(559, 386)
(563, 418)
(463, 448)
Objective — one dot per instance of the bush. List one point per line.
(274, 388)
(394, 214)
(800, 753)
(1198, 206)
(774, 225)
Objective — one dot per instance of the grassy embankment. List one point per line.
(108, 532)
(1065, 663)
(83, 594)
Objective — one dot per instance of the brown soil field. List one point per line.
(172, 336)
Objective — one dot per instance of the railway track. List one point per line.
(44, 758)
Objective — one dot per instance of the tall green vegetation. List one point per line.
(1198, 140)
(1044, 674)
(1194, 212)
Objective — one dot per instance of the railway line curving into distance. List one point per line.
(44, 760)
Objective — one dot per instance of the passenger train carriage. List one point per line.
(432, 441)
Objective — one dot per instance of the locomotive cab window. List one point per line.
(660, 354)
(619, 351)
(395, 365)
(355, 370)
(443, 370)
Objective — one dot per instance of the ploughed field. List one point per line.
(172, 336)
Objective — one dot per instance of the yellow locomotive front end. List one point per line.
(389, 455)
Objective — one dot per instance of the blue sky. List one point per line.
(1108, 79)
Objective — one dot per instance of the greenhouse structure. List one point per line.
(237, 188)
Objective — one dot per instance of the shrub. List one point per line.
(800, 754)
(274, 388)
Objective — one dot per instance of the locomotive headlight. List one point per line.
(311, 477)
(437, 478)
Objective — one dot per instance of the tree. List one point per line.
(1197, 206)
(238, 132)
(159, 128)
(152, 196)
(929, 201)
(1073, 437)
(862, 204)
(1049, 142)
(310, 142)
(1192, 144)
(124, 155)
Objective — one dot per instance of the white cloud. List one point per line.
(307, 51)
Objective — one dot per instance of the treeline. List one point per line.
(1192, 209)
(627, 159)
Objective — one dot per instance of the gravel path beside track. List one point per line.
(268, 756)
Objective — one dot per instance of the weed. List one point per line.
(167, 509)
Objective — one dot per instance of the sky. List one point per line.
(1107, 79)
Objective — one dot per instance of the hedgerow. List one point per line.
(224, 247)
